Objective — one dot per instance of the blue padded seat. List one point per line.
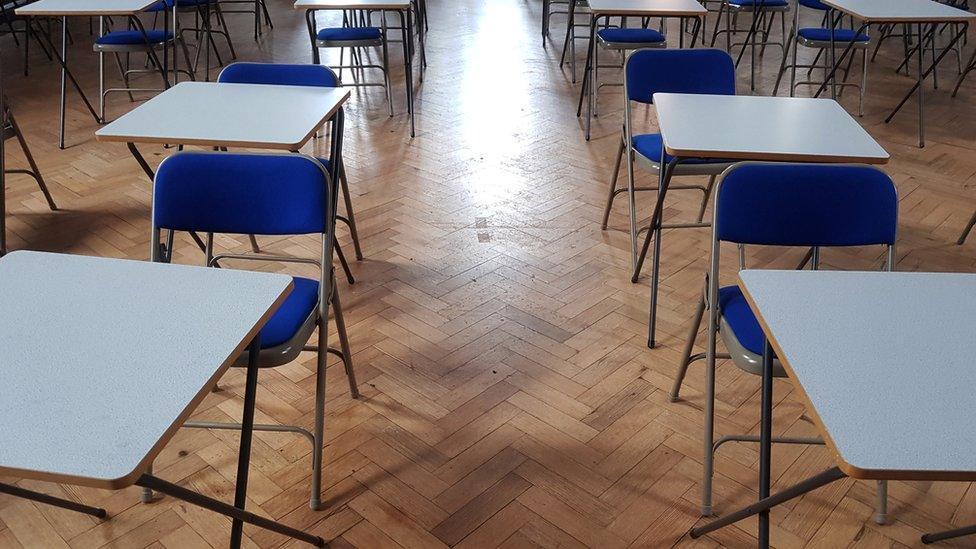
(631, 36)
(815, 5)
(735, 310)
(291, 316)
(279, 74)
(823, 35)
(761, 3)
(338, 34)
(649, 146)
(133, 38)
(158, 6)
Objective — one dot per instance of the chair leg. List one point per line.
(345, 266)
(689, 345)
(864, 81)
(344, 345)
(632, 210)
(707, 195)
(318, 429)
(36, 172)
(613, 185)
(389, 93)
(881, 512)
(968, 229)
(344, 187)
(254, 244)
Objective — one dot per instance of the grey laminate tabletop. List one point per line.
(101, 360)
(84, 7)
(743, 127)
(886, 362)
(900, 11)
(663, 8)
(230, 115)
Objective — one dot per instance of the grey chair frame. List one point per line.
(712, 170)
(743, 359)
(756, 28)
(356, 58)
(289, 350)
(794, 40)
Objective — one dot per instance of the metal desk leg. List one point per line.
(808, 485)
(65, 73)
(587, 89)
(922, 76)
(64, 78)
(949, 534)
(312, 32)
(247, 430)
(765, 440)
(408, 65)
(19, 492)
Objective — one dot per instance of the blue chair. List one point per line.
(650, 71)
(819, 38)
(619, 39)
(760, 10)
(355, 34)
(119, 42)
(204, 12)
(301, 75)
(268, 194)
(810, 206)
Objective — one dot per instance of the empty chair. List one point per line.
(300, 75)
(136, 40)
(804, 205)
(356, 37)
(266, 194)
(818, 38)
(760, 26)
(650, 71)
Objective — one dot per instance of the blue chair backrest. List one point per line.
(806, 205)
(705, 71)
(240, 193)
(279, 74)
(815, 4)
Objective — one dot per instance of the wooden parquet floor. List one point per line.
(508, 395)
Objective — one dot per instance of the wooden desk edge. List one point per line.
(848, 469)
(143, 466)
(778, 157)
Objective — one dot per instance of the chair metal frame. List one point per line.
(289, 350)
(126, 72)
(756, 27)
(794, 40)
(712, 170)
(745, 360)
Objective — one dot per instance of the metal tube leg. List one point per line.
(686, 353)
(808, 485)
(64, 79)
(632, 207)
(147, 496)
(765, 440)
(881, 513)
(101, 73)
(921, 94)
(344, 187)
(344, 344)
(949, 534)
(969, 228)
(708, 437)
(211, 504)
(408, 66)
(318, 429)
(613, 187)
(31, 495)
(254, 244)
(864, 81)
(389, 95)
(247, 427)
(707, 195)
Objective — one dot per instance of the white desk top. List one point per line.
(101, 360)
(85, 7)
(886, 361)
(899, 11)
(742, 127)
(352, 4)
(663, 8)
(230, 115)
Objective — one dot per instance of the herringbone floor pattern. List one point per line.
(508, 396)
